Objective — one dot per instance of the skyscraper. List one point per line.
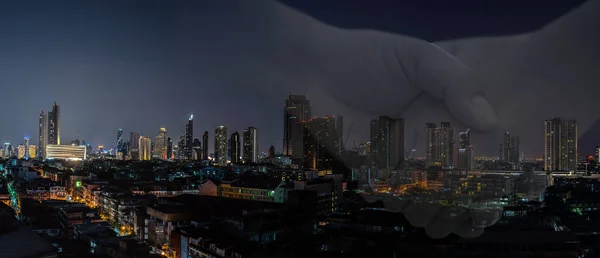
(387, 142)
(440, 145)
(196, 149)
(169, 148)
(234, 148)
(221, 145)
(160, 144)
(560, 145)
(43, 135)
(119, 146)
(296, 110)
(134, 139)
(464, 159)
(145, 148)
(251, 145)
(510, 148)
(205, 145)
(320, 144)
(272, 151)
(189, 138)
(26, 138)
(54, 125)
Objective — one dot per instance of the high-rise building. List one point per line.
(119, 146)
(189, 138)
(234, 148)
(339, 128)
(26, 154)
(251, 145)
(205, 145)
(43, 134)
(321, 144)
(560, 145)
(32, 151)
(169, 148)
(68, 152)
(181, 150)
(440, 145)
(160, 144)
(272, 151)
(597, 155)
(510, 148)
(135, 146)
(196, 149)
(221, 145)
(54, 125)
(296, 110)
(464, 157)
(387, 142)
(145, 148)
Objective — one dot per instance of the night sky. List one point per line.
(138, 65)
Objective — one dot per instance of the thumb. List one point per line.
(445, 77)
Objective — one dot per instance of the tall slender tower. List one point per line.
(389, 142)
(205, 145)
(145, 148)
(119, 147)
(440, 145)
(54, 125)
(189, 138)
(221, 145)
(234, 148)
(560, 145)
(160, 144)
(134, 139)
(251, 145)
(169, 148)
(295, 112)
(43, 135)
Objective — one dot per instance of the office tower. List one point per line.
(196, 149)
(320, 144)
(26, 154)
(234, 148)
(119, 146)
(373, 136)
(560, 145)
(464, 157)
(440, 145)
(160, 144)
(43, 134)
(221, 145)
(597, 155)
(145, 148)
(250, 145)
(339, 128)
(135, 146)
(189, 138)
(295, 111)
(68, 152)
(21, 151)
(169, 148)
(387, 142)
(272, 151)
(510, 148)
(54, 125)
(32, 151)
(205, 145)
(181, 150)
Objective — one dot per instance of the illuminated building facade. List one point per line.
(169, 148)
(387, 142)
(234, 148)
(464, 156)
(160, 145)
(560, 145)
(221, 145)
(296, 110)
(135, 146)
(189, 139)
(251, 145)
(67, 152)
(54, 125)
(205, 145)
(440, 145)
(145, 148)
(43, 134)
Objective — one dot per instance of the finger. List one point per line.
(445, 77)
